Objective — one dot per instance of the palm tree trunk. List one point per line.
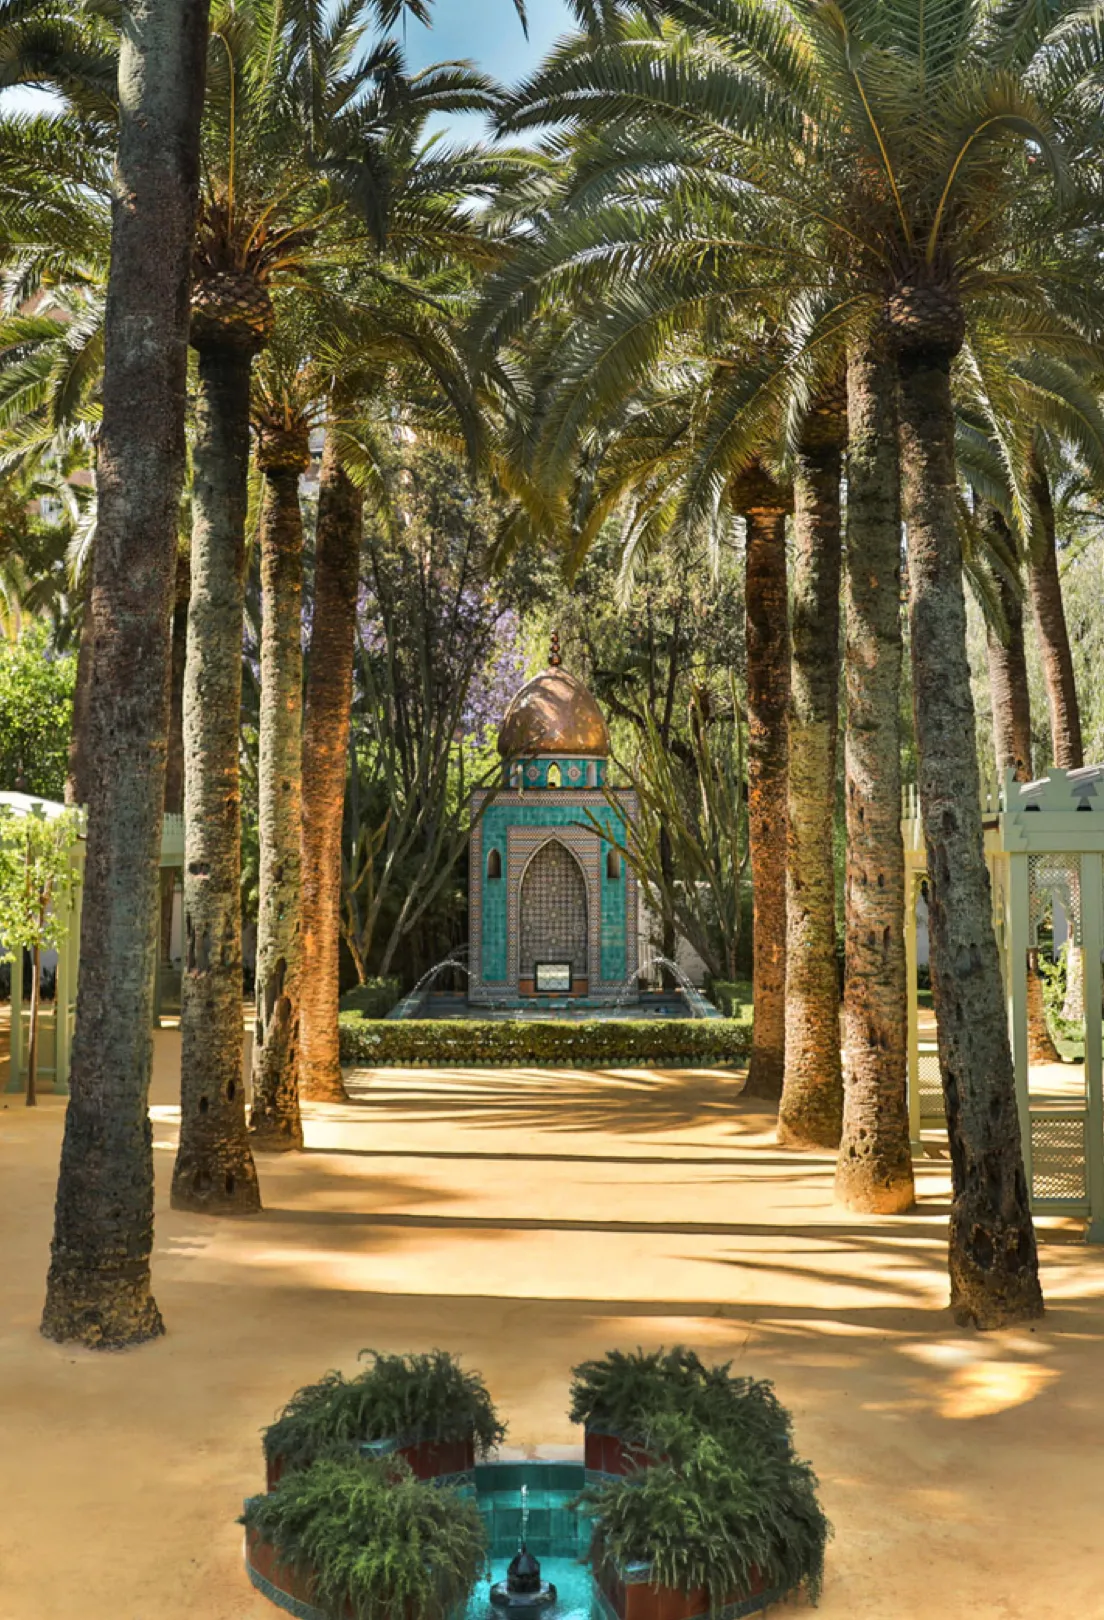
(174, 765)
(325, 746)
(764, 504)
(811, 1110)
(98, 1290)
(874, 1166)
(32, 1043)
(993, 1258)
(77, 776)
(1045, 589)
(274, 1122)
(214, 1170)
(1009, 696)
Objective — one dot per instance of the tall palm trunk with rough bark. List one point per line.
(325, 747)
(1009, 697)
(174, 765)
(214, 1170)
(811, 1110)
(763, 504)
(274, 1122)
(77, 775)
(98, 1291)
(874, 1165)
(993, 1259)
(1045, 589)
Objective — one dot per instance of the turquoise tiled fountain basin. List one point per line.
(556, 1534)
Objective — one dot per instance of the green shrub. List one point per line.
(712, 1517)
(629, 1392)
(407, 1398)
(733, 997)
(379, 1543)
(373, 999)
(463, 1042)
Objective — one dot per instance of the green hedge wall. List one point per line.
(374, 999)
(462, 1042)
(731, 996)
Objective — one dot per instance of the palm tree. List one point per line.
(1048, 610)
(297, 185)
(874, 1165)
(811, 1109)
(98, 1290)
(895, 160)
(327, 710)
(282, 419)
(763, 502)
(390, 350)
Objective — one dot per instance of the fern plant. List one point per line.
(378, 1544)
(409, 1398)
(711, 1517)
(629, 1392)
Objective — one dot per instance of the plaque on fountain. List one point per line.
(553, 978)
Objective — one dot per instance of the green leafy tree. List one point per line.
(687, 844)
(36, 881)
(36, 701)
(428, 637)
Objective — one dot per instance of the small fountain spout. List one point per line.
(523, 1591)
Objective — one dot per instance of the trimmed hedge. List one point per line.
(374, 999)
(463, 1042)
(731, 997)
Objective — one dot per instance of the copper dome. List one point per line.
(553, 714)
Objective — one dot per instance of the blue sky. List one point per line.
(489, 33)
(486, 32)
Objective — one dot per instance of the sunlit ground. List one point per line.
(528, 1220)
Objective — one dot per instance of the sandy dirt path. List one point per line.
(527, 1220)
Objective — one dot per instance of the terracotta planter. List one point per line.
(279, 1582)
(433, 1459)
(607, 1453)
(631, 1596)
(428, 1459)
(284, 1586)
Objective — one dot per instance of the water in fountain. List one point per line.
(523, 1590)
(698, 1005)
(410, 1003)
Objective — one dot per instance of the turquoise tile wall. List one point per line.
(613, 918)
(553, 1529)
(514, 812)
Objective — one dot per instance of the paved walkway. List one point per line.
(528, 1220)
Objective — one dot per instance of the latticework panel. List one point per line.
(930, 1084)
(553, 911)
(1055, 879)
(1058, 1158)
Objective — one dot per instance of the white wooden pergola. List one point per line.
(57, 1018)
(1044, 847)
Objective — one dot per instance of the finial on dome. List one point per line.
(554, 659)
